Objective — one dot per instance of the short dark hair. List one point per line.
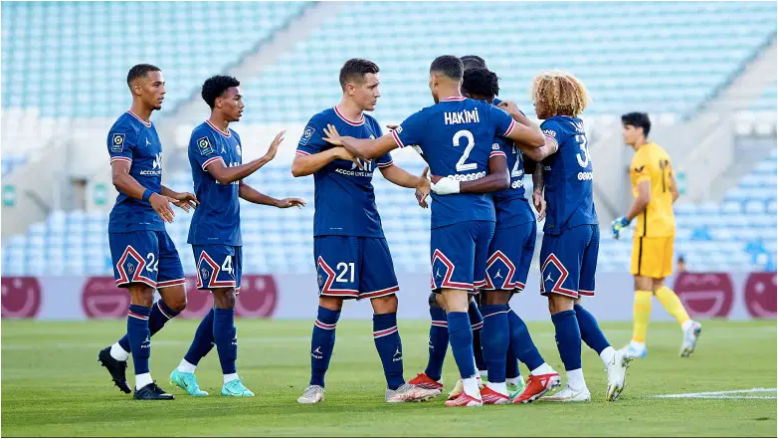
(215, 86)
(140, 71)
(449, 65)
(637, 120)
(473, 62)
(355, 69)
(481, 82)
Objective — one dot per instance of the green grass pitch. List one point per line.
(52, 385)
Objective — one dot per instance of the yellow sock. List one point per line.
(642, 312)
(672, 304)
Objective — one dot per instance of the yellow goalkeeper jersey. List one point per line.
(652, 163)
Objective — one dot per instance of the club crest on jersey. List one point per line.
(205, 146)
(204, 273)
(117, 142)
(495, 147)
(307, 134)
(130, 268)
(238, 150)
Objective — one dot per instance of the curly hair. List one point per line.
(215, 86)
(481, 82)
(561, 93)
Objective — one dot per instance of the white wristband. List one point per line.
(445, 186)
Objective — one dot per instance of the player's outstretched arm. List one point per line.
(537, 154)
(525, 131)
(184, 200)
(252, 195)
(497, 180)
(226, 175)
(403, 178)
(127, 184)
(364, 148)
(309, 163)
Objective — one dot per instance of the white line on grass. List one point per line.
(726, 394)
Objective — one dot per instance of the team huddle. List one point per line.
(483, 230)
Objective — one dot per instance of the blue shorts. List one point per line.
(510, 255)
(569, 261)
(354, 267)
(459, 253)
(218, 266)
(145, 256)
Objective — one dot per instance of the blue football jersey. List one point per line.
(133, 140)
(456, 137)
(568, 176)
(217, 219)
(344, 199)
(511, 204)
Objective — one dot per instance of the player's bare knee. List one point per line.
(656, 284)
(224, 298)
(496, 297)
(331, 303)
(558, 303)
(174, 298)
(385, 305)
(456, 300)
(141, 294)
(643, 283)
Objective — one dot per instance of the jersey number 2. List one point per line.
(461, 165)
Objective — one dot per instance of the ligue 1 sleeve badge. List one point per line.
(117, 142)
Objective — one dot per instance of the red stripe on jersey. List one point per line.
(227, 134)
(209, 161)
(148, 124)
(397, 139)
(510, 128)
(355, 123)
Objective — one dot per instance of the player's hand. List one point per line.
(185, 201)
(444, 186)
(290, 202)
(540, 204)
(618, 224)
(161, 205)
(344, 154)
(332, 136)
(510, 107)
(271, 152)
(423, 189)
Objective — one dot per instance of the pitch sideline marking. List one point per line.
(725, 394)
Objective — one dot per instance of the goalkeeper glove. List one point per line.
(618, 224)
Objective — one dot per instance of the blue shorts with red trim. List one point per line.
(459, 253)
(354, 267)
(569, 261)
(218, 266)
(510, 255)
(145, 256)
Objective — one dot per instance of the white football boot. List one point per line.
(312, 395)
(690, 337)
(410, 393)
(569, 395)
(617, 375)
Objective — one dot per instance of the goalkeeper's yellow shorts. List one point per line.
(652, 256)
